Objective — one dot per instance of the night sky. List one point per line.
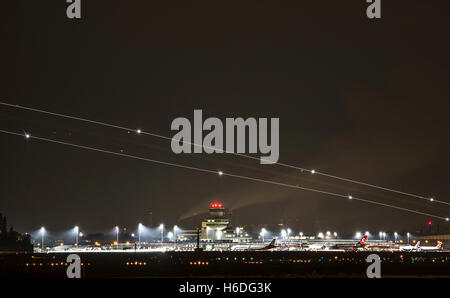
(358, 98)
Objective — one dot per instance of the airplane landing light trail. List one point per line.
(312, 171)
(225, 174)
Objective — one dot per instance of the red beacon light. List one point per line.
(216, 205)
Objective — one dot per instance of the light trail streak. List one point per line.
(222, 173)
(139, 131)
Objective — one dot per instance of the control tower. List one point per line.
(215, 222)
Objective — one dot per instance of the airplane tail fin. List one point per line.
(271, 244)
(417, 244)
(439, 245)
(363, 240)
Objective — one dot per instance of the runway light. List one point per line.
(313, 171)
(138, 131)
(431, 199)
(350, 197)
(447, 219)
(220, 173)
(27, 136)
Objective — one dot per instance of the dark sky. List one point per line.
(358, 98)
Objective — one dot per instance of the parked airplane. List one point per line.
(410, 247)
(430, 248)
(389, 247)
(360, 244)
(316, 246)
(249, 247)
(271, 245)
(338, 246)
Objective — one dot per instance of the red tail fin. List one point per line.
(362, 242)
